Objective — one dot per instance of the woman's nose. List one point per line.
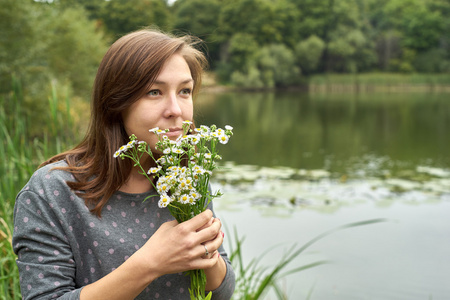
(173, 108)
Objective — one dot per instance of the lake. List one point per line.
(300, 164)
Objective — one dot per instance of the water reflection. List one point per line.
(333, 132)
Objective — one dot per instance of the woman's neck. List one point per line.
(137, 183)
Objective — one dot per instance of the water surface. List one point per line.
(300, 164)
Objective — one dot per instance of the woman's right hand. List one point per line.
(178, 247)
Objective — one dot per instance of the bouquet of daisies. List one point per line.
(182, 174)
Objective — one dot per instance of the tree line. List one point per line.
(253, 43)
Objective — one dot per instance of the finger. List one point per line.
(210, 255)
(215, 253)
(172, 223)
(198, 221)
(207, 224)
(211, 232)
(217, 242)
(206, 254)
(210, 248)
(206, 263)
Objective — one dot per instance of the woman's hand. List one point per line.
(178, 247)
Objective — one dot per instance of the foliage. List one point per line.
(409, 26)
(357, 36)
(435, 60)
(24, 153)
(13, 146)
(22, 50)
(277, 65)
(421, 26)
(92, 7)
(78, 41)
(250, 79)
(251, 17)
(123, 16)
(30, 51)
(380, 79)
(187, 19)
(345, 36)
(272, 65)
(309, 52)
(242, 51)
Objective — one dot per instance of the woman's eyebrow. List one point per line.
(189, 80)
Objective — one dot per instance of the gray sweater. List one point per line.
(61, 246)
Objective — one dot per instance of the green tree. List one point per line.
(92, 7)
(284, 17)
(308, 53)
(250, 78)
(277, 65)
(349, 51)
(48, 48)
(76, 52)
(409, 32)
(420, 25)
(246, 23)
(123, 16)
(344, 29)
(316, 17)
(240, 56)
(21, 48)
(254, 17)
(271, 66)
(199, 18)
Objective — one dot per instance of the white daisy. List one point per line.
(154, 170)
(164, 200)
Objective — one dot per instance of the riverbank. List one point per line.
(379, 82)
(353, 83)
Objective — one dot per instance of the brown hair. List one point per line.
(125, 74)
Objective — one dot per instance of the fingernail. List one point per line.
(223, 234)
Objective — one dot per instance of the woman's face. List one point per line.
(166, 105)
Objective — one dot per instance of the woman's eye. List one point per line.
(154, 93)
(186, 91)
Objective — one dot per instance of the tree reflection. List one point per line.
(330, 131)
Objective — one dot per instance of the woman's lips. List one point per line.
(174, 132)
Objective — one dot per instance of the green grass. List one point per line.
(20, 155)
(14, 168)
(379, 82)
(381, 78)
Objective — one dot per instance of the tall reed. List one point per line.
(20, 155)
(379, 82)
(253, 281)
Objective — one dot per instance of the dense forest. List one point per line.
(256, 43)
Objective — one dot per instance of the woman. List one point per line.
(82, 229)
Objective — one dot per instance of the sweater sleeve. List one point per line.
(226, 289)
(45, 260)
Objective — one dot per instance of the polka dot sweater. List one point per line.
(61, 246)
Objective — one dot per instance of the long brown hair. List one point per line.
(125, 74)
